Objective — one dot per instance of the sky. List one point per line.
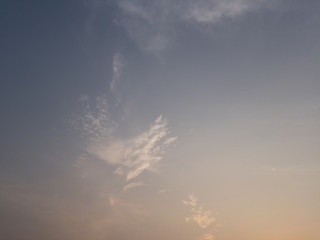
(160, 119)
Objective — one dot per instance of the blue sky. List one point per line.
(168, 119)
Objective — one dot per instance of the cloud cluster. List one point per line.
(95, 123)
(153, 24)
(203, 218)
(135, 155)
(131, 156)
(200, 216)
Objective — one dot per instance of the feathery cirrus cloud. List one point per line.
(131, 155)
(135, 155)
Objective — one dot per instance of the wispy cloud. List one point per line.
(132, 155)
(135, 155)
(200, 216)
(213, 11)
(117, 67)
(131, 186)
(153, 24)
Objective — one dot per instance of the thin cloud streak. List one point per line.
(131, 186)
(117, 68)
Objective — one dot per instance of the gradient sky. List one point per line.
(160, 119)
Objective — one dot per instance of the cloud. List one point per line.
(117, 67)
(213, 11)
(94, 123)
(131, 186)
(145, 23)
(193, 201)
(153, 24)
(131, 155)
(202, 217)
(135, 155)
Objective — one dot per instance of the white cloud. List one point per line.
(117, 68)
(135, 155)
(170, 140)
(131, 186)
(202, 217)
(153, 24)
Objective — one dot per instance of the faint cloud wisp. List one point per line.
(153, 24)
(131, 186)
(117, 67)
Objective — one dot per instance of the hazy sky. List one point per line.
(160, 119)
